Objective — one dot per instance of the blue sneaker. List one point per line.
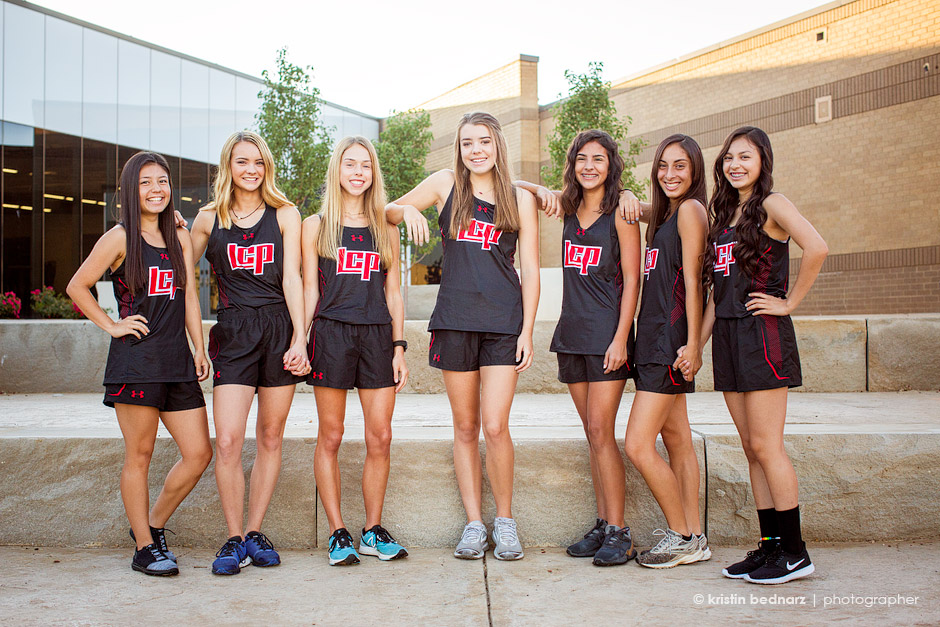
(159, 538)
(231, 557)
(380, 543)
(342, 551)
(260, 549)
(150, 560)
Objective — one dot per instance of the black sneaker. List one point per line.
(159, 538)
(782, 567)
(150, 560)
(617, 548)
(753, 561)
(592, 541)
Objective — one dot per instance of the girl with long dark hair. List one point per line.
(151, 373)
(481, 328)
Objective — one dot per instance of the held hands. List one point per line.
(615, 356)
(765, 305)
(202, 366)
(548, 202)
(416, 225)
(295, 359)
(523, 352)
(400, 369)
(132, 325)
(629, 207)
(689, 361)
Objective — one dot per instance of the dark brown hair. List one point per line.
(134, 272)
(751, 239)
(572, 193)
(696, 191)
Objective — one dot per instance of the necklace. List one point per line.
(238, 217)
(477, 193)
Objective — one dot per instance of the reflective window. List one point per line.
(99, 86)
(133, 95)
(63, 76)
(18, 160)
(247, 102)
(23, 65)
(331, 116)
(164, 103)
(221, 109)
(62, 211)
(194, 117)
(99, 190)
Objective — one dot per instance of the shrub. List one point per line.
(47, 304)
(10, 305)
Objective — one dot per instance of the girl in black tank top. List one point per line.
(353, 304)
(250, 233)
(594, 335)
(485, 312)
(753, 345)
(151, 373)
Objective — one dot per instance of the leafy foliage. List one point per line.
(47, 304)
(589, 106)
(10, 305)
(289, 120)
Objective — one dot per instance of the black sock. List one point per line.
(769, 525)
(687, 538)
(791, 539)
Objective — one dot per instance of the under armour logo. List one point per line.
(437, 358)
(164, 256)
(357, 238)
(217, 375)
(161, 283)
(137, 393)
(482, 208)
(580, 231)
(250, 257)
(724, 257)
(482, 232)
(361, 262)
(316, 375)
(652, 254)
(248, 236)
(581, 257)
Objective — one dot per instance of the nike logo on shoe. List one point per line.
(791, 567)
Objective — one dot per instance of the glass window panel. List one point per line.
(63, 76)
(370, 129)
(164, 103)
(221, 108)
(331, 116)
(247, 102)
(194, 117)
(99, 190)
(99, 86)
(1, 86)
(133, 95)
(18, 157)
(62, 211)
(194, 193)
(352, 124)
(23, 36)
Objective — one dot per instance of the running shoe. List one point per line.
(342, 551)
(159, 538)
(231, 557)
(379, 542)
(150, 560)
(753, 561)
(671, 551)
(781, 567)
(506, 538)
(591, 542)
(472, 543)
(703, 544)
(260, 549)
(617, 548)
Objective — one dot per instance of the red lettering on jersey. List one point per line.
(482, 232)
(652, 254)
(724, 257)
(361, 262)
(250, 257)
(161, 283)
(581, 257)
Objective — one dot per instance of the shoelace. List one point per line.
(775, 555)
(229, 548)
(262, 541)
(157, 554)
(159, 536)
(342, 540)
(667, 544)
(598, 529)
(381, 534)
(507, 533)
(617, 536)
(472, 534)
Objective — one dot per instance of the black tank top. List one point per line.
(732, 286)
(352, 286)
(480, 289)
(163, 355)
(592, 288)
(248, 263)
(662, 327)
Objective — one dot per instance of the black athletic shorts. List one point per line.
(662, 379)
(346, 355)
(466, 351)
(247, 347)
(755, 353)
(164, 396)
(574, 368)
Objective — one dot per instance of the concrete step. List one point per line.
(868, 464)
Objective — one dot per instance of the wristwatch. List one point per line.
(401, 343)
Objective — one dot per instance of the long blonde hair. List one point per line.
(223, 189)
(374, 200)
(506, 215)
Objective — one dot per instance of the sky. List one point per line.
(379, 56)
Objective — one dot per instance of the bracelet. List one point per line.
(401, 343)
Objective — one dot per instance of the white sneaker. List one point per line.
(703, 545)
(671, 551)
(506, 538)
(472, 543)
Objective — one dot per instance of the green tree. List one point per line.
(289, 120)
(588, 106)
(403, 147)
